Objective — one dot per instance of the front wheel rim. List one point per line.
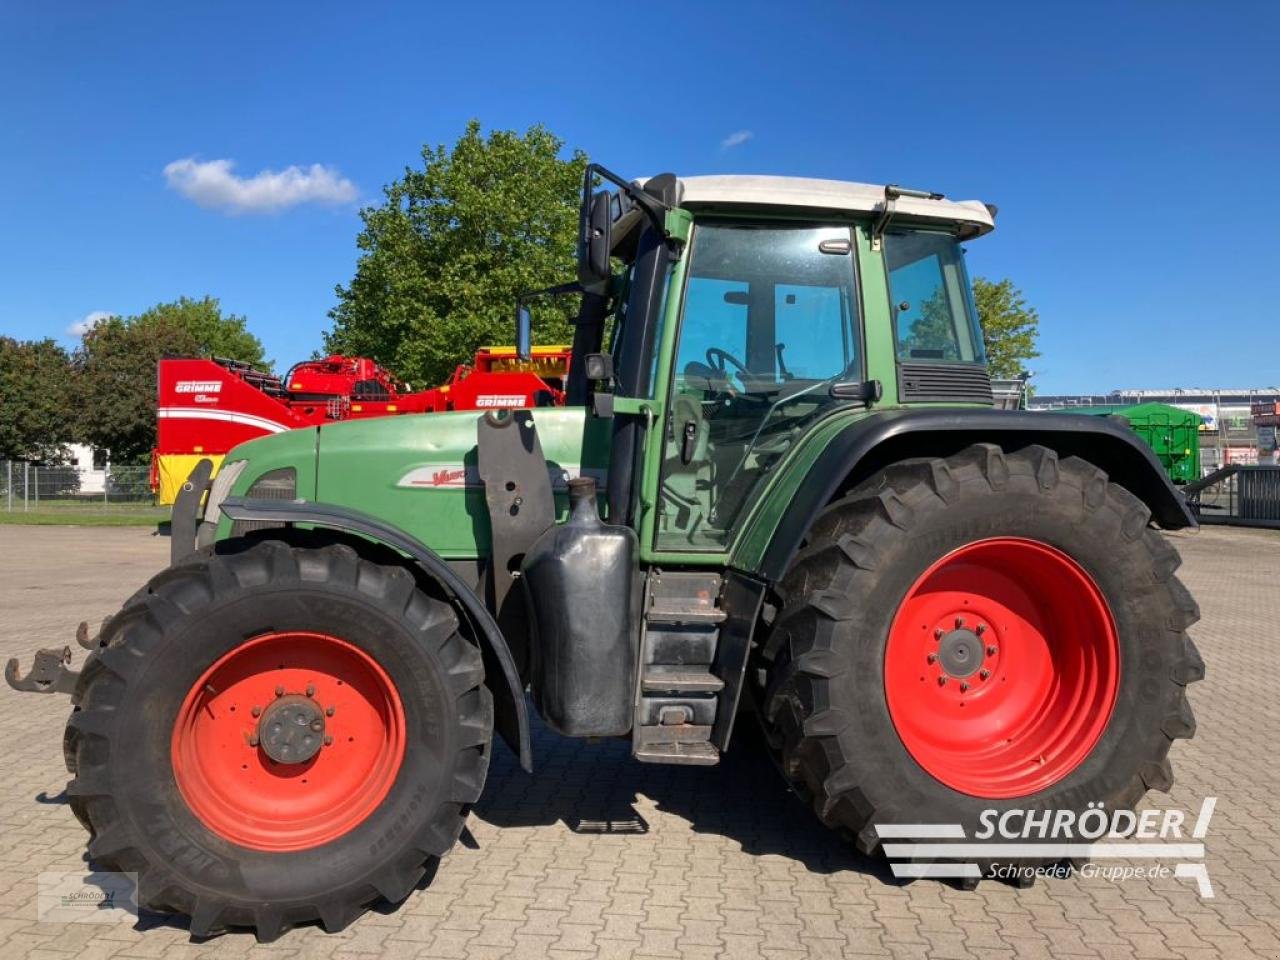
(1002, 667)
(289, 741)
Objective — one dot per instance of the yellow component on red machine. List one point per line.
(172, 470)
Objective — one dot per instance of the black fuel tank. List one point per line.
(579, 580)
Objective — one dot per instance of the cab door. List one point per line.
(769, 322)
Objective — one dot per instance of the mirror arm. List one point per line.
(653, 208)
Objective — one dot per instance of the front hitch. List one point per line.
(49, 674)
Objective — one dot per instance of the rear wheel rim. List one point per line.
(250, 785)
(1002, 667)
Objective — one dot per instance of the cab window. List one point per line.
(934, 318)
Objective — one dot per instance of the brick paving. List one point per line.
(599, 856)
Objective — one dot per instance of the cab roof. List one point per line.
(741, 191)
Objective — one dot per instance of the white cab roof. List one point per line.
(804, 192)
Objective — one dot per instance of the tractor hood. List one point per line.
(419, 472)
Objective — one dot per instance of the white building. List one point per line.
(91, 465)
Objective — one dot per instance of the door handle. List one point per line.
(688, 442)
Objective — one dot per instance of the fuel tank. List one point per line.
(579, 580)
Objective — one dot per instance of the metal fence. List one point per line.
(1246, 496)
(38, 488)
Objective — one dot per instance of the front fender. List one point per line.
(869, 444)
(511, 714)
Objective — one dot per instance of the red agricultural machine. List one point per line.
(207, 406)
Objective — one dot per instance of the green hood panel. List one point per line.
(419, 472)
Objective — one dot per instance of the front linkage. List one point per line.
(50, 673)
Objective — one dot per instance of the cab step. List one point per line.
(662, 678)
(684, 598)
(693, 753)
(678, 689)
(676, 612)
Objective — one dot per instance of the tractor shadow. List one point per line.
(592, 788)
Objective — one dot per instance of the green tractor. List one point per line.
(779, 487)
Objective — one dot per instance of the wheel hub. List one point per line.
(291, 729)
(960, 653)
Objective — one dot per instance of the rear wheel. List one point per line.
(979, 632)
(276, 735)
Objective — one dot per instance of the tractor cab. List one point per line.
(748, 309)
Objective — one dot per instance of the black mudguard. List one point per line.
(886, 437)
(511, 714)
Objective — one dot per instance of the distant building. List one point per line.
(1228, 432)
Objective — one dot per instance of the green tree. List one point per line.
(1010, 327)
(445, 255)
(213, 333)
(35, 400)
(115, 368)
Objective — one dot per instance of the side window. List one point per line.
(809, 321)
(715, 313)
(934, 319)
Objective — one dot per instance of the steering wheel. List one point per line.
(720, 360)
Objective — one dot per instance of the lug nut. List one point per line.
(991, 651)
(959, 622)
(311, 689)
(253, 740)
(330, 711)
(279, 691)
(942, 681)
(963, 686)
(980, 629)
(983, 674)
(256, 711)
(932, 658)
(937, 634)
(328, 740)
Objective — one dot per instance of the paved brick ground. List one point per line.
(601, 856)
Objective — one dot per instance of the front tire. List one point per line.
(979, 632)
(270, 736)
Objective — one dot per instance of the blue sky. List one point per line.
(1131, 147)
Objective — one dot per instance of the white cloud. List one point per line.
(212, 184)
(736, 139)
(89, 321)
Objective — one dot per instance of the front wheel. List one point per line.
(271, 735)
(985, 631)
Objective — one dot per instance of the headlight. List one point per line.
(221, 487)
(279, 484)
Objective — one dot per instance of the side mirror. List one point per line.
(524, 332)
(596, 240)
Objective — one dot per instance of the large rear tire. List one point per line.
(270, 736)
(976, 632)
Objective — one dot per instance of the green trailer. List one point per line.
(1172, 433)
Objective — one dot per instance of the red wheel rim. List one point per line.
(228, 723)
(1002, 667)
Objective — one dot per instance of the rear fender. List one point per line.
(873, 442)
(511, 715)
